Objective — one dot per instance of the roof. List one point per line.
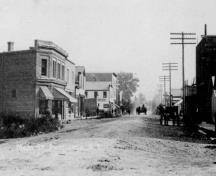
(42, 44)
(64, 94)
(45, 93)
(97, 85)
(99, 76)
(70, 61)
(208, 41)
(80, 69)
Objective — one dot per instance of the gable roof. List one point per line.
(103, 77)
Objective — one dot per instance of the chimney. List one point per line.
(10, 46)
(205, 30)
(36, 44)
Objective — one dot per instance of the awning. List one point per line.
(178, 103)
(114, 105)
(45, 93)
(62, 94)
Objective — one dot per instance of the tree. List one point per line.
(128, 85)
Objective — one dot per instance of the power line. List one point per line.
(164, 79)
(170, 66)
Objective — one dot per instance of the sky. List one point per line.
(112, 35)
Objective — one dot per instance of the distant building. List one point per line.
(36, 81)
(104, 88)
(205, 69)
(80, 90)
(176, 95)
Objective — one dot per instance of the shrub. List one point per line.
(14, 126)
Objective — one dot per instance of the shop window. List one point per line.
(104, 94)
(44, 67)
(70, 108)
(106, 105)
(95, 94)
(57, 107)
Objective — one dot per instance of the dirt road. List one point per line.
(119, 146)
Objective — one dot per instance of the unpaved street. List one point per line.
(135, 145)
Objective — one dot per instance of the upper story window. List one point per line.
(63, 72)
(68, 76)
(72, 76)
(54, 69)
(104, 94)
(59, 71)
(44, 67)
(79, 79)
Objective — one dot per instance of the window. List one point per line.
(70, 108)
(86, 94)
(104, 94)
(43, 105)
(79, 79)
(95, 94)
(63, 72)
(54, 69)
(68, 76)
(44, 67)
(56, 107)
(72, 76)
(13, 93)
(106, 105)
(58, 71)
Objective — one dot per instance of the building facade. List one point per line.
(205, 71)
(36, 81)
(104, 88)
(80, 90)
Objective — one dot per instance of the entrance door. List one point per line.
(57, 108)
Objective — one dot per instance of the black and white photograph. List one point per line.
(107, 88)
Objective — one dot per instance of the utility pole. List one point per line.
(164, 79)
(170, 67)
(183, 39)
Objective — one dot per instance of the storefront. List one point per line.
(57, 103)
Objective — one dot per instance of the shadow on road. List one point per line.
(152, 128)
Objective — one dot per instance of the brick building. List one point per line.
(37, 80)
